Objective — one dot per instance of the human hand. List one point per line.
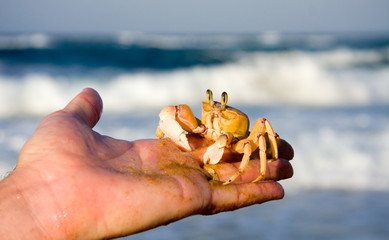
(72, 182)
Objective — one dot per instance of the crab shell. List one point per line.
(227, 119)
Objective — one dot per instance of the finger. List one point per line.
(86, 106)
(234, 196)
(285, 150)
(277, 170)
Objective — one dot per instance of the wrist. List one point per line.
(26, 212)
(16, 219)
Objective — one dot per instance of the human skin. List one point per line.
(71, 182)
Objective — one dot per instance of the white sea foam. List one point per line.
(177, 41)
(330, 159)
(293, 78)
(36, 40)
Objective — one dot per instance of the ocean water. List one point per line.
(326, 94)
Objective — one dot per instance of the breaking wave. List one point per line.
(340, 77)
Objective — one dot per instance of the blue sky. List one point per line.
(200, 16)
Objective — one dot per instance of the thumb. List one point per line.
(86, 106)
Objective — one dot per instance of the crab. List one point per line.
(227, 127)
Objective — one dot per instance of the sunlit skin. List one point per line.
(71, 182)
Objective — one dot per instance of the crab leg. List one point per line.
(211, 171)
(262, 157)
(260, 142)
(273, 139)
(245, 160)
(264, 127)
(261, 129)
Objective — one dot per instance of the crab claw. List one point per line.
(215, 152)
(173, 130)
(174, 121)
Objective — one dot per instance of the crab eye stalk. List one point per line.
(209, 96)
(224, 100)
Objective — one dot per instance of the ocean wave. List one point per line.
(332, 158)
(25, 41)
(331, 78)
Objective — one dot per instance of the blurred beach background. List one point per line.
(318, 73)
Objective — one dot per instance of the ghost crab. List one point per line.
(228, 127)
